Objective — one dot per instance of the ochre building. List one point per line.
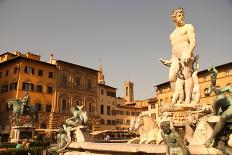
(20, 73)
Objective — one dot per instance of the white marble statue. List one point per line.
(182, 59)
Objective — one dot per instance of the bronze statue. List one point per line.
(173, 140)
(222, 102)
(25, 103)
(79, 117)
(21, 108)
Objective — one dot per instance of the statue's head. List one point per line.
(165, 126)
(212, 69)
(178, 16)
(138, 122)
(73, 108)
(167, 114)
(61, 131)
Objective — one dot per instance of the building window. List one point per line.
(13, 86)
(102, 121)
(120, 121)
(28, 86)
(102, 109)
(206, 91)
(64, 81)
(4, 88)
(38, 106)
(40, 72)
(127, 113)
(50, 74)
(7, 72)
(228, 72)
(29, 70)
(161, 103)
(89, 84)
(39, 88)
(15, 70)
(112, 94)
(108, 122)
(108, 110)
(128, 122)
(49, 89)
(78, 81)
(90, 107)
(114, 112)
(64, 105)
(48, 108)
(153, 106)
(121, 112)
(153, 115)
(102, 92)
(113, 122)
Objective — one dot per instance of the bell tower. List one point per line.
(129, 92)
(101, 79)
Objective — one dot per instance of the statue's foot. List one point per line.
(208, 143)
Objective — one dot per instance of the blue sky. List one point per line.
(128, 35)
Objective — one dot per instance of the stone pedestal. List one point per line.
(21, 133)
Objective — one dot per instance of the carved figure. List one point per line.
(183, 42)
(222, 102)
(196, 94)
(62, 138)
(166, 116)
(25, 102)
(222, 140)
(147, 128)
(190, 126)
(173, 141)
(79, 117)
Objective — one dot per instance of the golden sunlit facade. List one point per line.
(75, 85)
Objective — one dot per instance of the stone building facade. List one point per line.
(75, 85)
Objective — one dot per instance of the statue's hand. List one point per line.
(186, 57)
(165, 62)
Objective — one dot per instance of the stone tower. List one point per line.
(101, 79)
(129, 96)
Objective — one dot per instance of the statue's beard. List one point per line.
(179, 23)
